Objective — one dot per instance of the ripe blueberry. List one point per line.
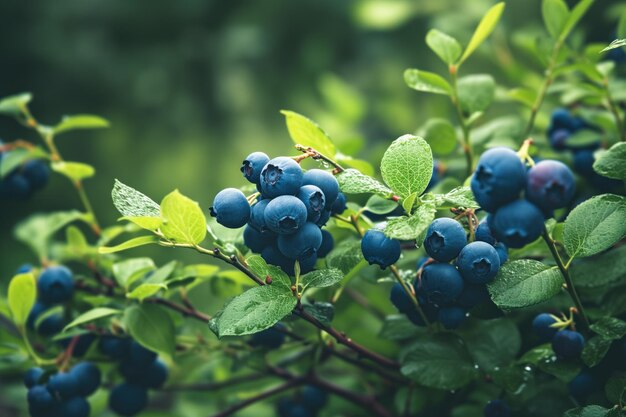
(325, 181)
(339, 205)
(36, 173)
(128, 399)
(497, 408)
(452, 317)
(434, 179)
(302, 244)
(32, 377)
(55, 285)
(272, 255)
(478, 263)
(81, 347)
(314, 201)
(75, 407)
(472, 295)
(558, 138)
(499, 178)
(24, 268)
(252, 166)
(550, 185)
(379, 249)
(483, 233)
(88, 376)
(542, 326)
(64, 384)
(40, 398)
(313, 397)
(323, 218)
(327, 244)
(15, 186)
(257, 215)
(400, 299)
(582, 386)
(503, 252)
(141, 356)
(156, 374)
(583, 161)
(568, 344)
(50, 325)
(285, 214)
(281, 176)
(231, 208)
(271, 338)
(444, 240)
(257, 241)
(441, 283)
(517, 224)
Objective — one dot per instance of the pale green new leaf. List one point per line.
(131, 203)
(440, 135)
(129, 244)
(152, 327)
(410, 228)
(306, 132)
(352, 181)
(555, 14)
(574, 17)
(407, 165)
(484, 29)
(144, 291)
(13, 105)
(37, 229)
(184, 220)
(80, 121)
(445, 46)
(92, 315)
(21, 296)
(427, 82)
(75, 171)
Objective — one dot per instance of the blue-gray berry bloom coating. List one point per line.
(478, 263)
(281, 176)
(550, 185)
(285, 215)
(252, 166)
(55, 285)
(325, 181)
(444, 240)
(302, 244)
(517, 224)
(314, 201)
(231, 208)
(499, 178)
(441, 283)
(379, 249)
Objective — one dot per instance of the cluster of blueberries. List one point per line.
(62, 394)
(284, 225)
(497, 183)
(562, 126)
(55, 286)
(306, 403)
(445, 290)
(20, 183)
(567, 344)
(141, 369)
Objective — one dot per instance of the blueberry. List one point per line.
(82, 346)
(141, 356)
(115, 347)
(325, 181)
(558, 138)
(582, 386)
(252, 166)
(324, 217)
(379, 249)
(281, 176)
(452, 317)
(306, 264)
(257, 241)
(483, 233)
(472, 295)
(89, 378)
(314, 201)
(152, 375)
(64, 384)
(497, 408)
(503, 252)
(478, 263)
(257, 215)
(273, 256)
(302, 244)
(40, 398)
(430, 310)
(285, 214)
(441, 283)
(284, 406)
(400, 299)
(583, 161)
(75, 407)
(37, 173)
(156, 374)
(300, 410)
(562, 119)
(313, 397)
(339, 205)
(542, 326)
(499, 178)
(55, 285)
(517, 224)
(327, 244)
(550, 185)
(444, 239)
(15, 186)
(231, 208)
(434, 179)
(421, 262)
(50, 325)
(271, 338)
(568, 344)
(24, 269)
(32, 377)
(128, 399)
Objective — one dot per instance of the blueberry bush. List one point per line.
(502, 262)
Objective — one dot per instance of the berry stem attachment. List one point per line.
(571, 289)
(312, 153)
(524, 152)
(465, 129)
(29, 348)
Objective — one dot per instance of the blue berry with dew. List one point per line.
(314, 201)
(380, 250)
(128, 399)
(551, 185)
(478, 263)
(400, 299)
(285, 215)
(302, 244)
(441, 283)
(497, 408)
(252, 166)
(327, 244)
(517, 224)
(452, 317)
(325, 181)
(568, 344)
(257, 241)
(499, 178)
(444, 239)
(55, 285)
(281, 176)
(231, 208)
(483, 233)
(339, 206)
(543, 326)
(271, 338)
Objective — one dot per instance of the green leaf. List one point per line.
(129, 244)
(612, 163)
(379, 205)
(617, 43)
(184, 220)
(574, 17)
(37, 229)
(13, 105)
(257, 309)
(21, 297)
(440, 361)
(457, 197)
(92, 315)
(352, 181)
(75, 171)
(484, 29)
(440, 135)
(262, 270)
(583, 138)
(610, 327)
(321, 278)
(428, 82)
(161, 275)
(564, 371)
(407, 165)
(476, 93)
(523, 95)
(410, 228)
(493, 343)
(595, 350)
(445, 46)
(615, 388)
(345, 256)
(131, 203)
(398, 327)
(408, 203)
(80, 121)
(595, 225)
(589, 411)
(129, 270)
(144, 291)
(15, 158)
(322, 311)
(555, 14)
(612, 264)
(151, 327)
(523, 283)
(306, 132)
(148, 223)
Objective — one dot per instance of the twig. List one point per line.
(215, 386)
(310, 152)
